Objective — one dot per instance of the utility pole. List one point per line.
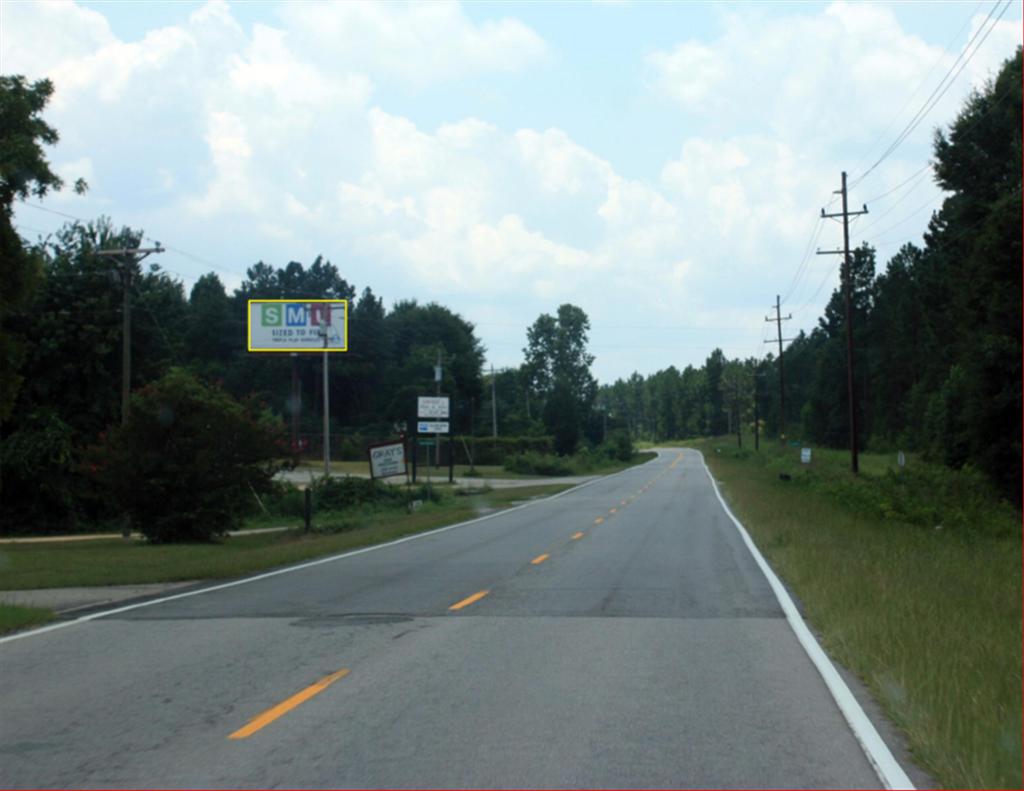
(127, 257)
(437, 385)
(847, 276)
(494, 407)
(778, 319)
(739, 419)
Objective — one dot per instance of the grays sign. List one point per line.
(387, 460)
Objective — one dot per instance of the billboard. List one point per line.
(298, 325)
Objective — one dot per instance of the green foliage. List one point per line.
(24, 172)
(620, 446)
(186, 463)
(557, 371)
(936, 336)
(530, 463)
(37, 458)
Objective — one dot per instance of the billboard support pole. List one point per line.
(327, 411)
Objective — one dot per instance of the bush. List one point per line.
(619, 446)
(185, 465)
(538, 464)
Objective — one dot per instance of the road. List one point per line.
(619, 635)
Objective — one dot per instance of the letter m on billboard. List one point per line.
(298, 325)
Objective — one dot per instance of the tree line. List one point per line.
(937, 334)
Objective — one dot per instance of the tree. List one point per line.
(24, 171)
(418, 334)
(213, 335)
(713, 368)
(557, 360)
(185, 465)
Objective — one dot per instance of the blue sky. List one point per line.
(661, 165)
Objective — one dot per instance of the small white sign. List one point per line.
(431, 406)
(432, 427)
(387, 460)
(805, 455)
(901, 459)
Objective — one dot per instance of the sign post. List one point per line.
(301, 325)
(436, 410)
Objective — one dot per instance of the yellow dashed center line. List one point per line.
(469, 600)
(540, 559)
(577, 535)
(613, 510)
(599, 520)
(267, 717)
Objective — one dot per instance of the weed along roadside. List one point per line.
(912, 579)
(349, 513)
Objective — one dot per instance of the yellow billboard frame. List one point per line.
(302, 349)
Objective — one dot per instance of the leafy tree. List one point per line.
(24, 172)
(185, 465)
(213, 334)
(714, 367)
(557, 362)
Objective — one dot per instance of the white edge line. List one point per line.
(330, 559)
(878, 754)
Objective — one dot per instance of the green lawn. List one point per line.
(463, 470)
(14, 617)
(119, 562)
(928, 615)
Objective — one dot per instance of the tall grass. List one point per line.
(913, 581)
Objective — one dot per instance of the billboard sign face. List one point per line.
(432, 406)
(387, 460)
(298, 325)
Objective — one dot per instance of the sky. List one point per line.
(660, 165)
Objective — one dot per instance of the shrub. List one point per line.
(619, 446)
(185, 465)
(538, 464)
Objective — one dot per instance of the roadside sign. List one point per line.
(805, 455)
(387, 460)
(432, 427)
(901, 459)
(431, 406)
(298, 325)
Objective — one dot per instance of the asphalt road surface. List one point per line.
(619, 635)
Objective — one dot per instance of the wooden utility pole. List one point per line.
(494, 406)
(127, 258)
(778, 319)
(847, 277)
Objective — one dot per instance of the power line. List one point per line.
(924, 80)
(940, 90)
(913, 214)
(927, 165)
(178, 250)
(892, 208)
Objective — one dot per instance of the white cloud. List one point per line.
(292, 137)
(414, 43)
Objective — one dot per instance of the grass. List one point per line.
(464, 470)
(917, 592)
(119, 562)
(461, 470)
(13, 617)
